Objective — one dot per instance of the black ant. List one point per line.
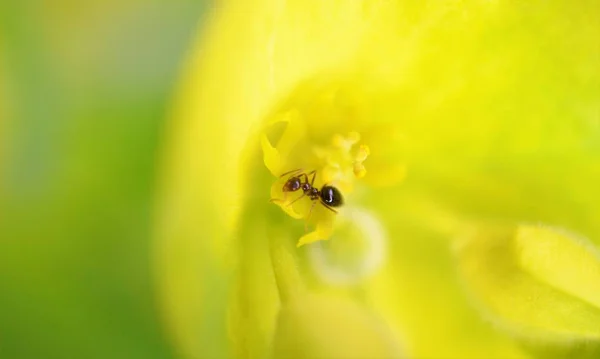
(329, 196)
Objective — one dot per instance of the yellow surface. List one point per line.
(471, 111)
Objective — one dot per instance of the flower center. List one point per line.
(316, 146)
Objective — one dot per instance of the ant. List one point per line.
(329, 196)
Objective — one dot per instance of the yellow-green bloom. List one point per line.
(465, 139)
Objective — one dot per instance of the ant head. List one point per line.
(293, 184)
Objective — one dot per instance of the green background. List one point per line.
(84, 91)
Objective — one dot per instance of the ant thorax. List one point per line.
(314, 193)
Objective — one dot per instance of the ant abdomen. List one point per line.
(331, 196)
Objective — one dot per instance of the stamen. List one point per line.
(359, 169)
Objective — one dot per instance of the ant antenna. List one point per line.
(290, 172)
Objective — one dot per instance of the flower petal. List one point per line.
(537, 284)
(327, 327)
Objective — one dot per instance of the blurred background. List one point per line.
(84, 90)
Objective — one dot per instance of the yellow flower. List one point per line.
(464, 138)
(324, 142)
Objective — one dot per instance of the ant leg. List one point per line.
(285, 195)
(283, 200)
(306, 176)
(279, 200)
(314, 173)
(308, 217)
(292, 202)
(290, 172)
(328, 207)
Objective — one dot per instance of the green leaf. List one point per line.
(537, 284)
